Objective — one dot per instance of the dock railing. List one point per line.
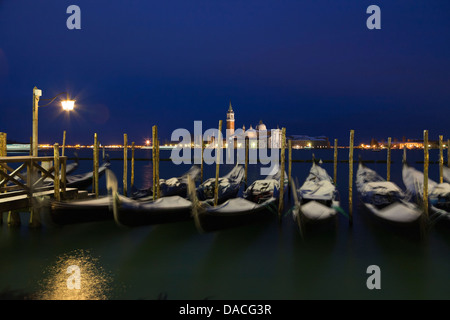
(27, 174)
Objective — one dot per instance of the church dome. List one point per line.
(261, 126)
(251, 133)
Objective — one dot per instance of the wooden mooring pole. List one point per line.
(441, 159)
(158, 189)
(132, 163)
(56, 164)
(448, 153)
(154, 143)
(201, 163)
(282, 166)
(1, 155)
(388, 174)
(219, 144)
(335, 160)
(125, 164)
(289, 164)
(350, 177)
(96, 166)
(3, 145)
(35, 209)
(13, 216)
(247, 142)
(63, 143)
(425, 172)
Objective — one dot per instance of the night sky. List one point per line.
(310, 66)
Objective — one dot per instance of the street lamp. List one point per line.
(67, 105)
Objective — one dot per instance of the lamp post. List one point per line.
(67, 105)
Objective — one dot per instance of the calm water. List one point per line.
(261, 261)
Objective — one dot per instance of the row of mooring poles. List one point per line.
(155, 159)
(156, 189)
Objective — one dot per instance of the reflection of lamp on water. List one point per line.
(76, 275)
(67, 105)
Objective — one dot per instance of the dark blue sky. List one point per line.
(311, 66)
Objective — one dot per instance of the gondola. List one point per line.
(135, 212)
(80, 181)
(176, 186)
(87, 210)
(317, 200)
(228, 188)
(438, 193)
(446, 174)
(79, 211)
(384, 199)
(84, 180)
(70, 168)
(258, 202)
(84, 210)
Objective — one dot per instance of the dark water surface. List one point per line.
(261, 261)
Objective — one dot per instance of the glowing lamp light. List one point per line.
(68, 104)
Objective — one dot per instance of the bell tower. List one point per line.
(230, 120)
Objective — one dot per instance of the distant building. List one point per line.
(302, 141)
(259, 137)
(230, 120)
(275, 138)
(415, 144)
(408, 143)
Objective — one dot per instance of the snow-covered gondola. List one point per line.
(447, 174)
(136, 212)
(317, 200)
(384, 199)
(438, 193)
(78, 211)
(228, 188)
(258, 202)
(176, 186)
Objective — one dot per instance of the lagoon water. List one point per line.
(261, 261)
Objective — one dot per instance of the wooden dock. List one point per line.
(18, 200)
(22, 183)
